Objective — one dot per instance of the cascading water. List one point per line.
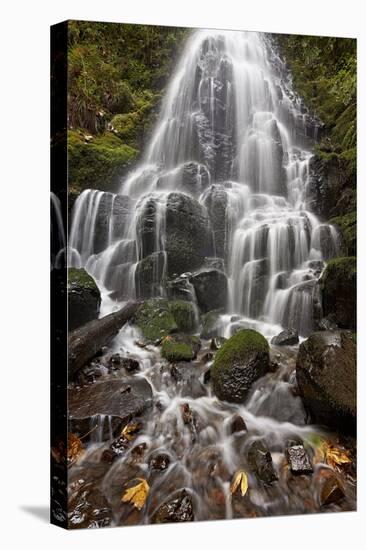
(230, 131)
(229, 160)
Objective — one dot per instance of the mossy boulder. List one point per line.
(241, 360)
(157, 318)
(97, 162)
(210, 324)
(326, 376)
(338, 287)
(184, 315)
(83, 298)
(180, 347)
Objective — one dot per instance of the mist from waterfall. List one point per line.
(233, 136)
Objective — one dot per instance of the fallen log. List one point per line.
(84, 342)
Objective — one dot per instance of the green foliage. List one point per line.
(338, 272)
(235, 350)
(96, 161)
(324, 74)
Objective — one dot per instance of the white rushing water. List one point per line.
(232, 123)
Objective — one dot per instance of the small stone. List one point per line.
(207, 376)
(109, 456)
(207, 357)
(237, 424)
(288, 337)
(331, 491)
(299, 460)
(175, 510)
(159, 462)
(260, 461)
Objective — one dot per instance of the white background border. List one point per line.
(24, 294)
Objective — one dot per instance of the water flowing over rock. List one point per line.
(224, 175)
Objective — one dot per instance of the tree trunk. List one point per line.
(84, 342)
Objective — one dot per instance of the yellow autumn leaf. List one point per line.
(74, 448)
(129, 431)
(337, 456)
(240, 479)
(137, 494)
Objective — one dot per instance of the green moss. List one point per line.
(96, 161)
(175, 348)
(183, 313)
(80, 278)
(348, 227)
(209, 323)
(155, 320)
(236, 349)
(340, 269)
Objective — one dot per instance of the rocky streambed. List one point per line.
(169, 425)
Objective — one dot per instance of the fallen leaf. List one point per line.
(74, 448)
(240, 479)
(129, 431)
(336, 456)
(137, 494)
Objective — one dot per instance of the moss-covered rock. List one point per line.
(155, 319)
(97, 162)
(179, 347)
(238, 364)
(326, 376)
(184, 315)
(338, 287)
(83, 298)
(210, 324)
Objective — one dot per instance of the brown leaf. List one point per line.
(137, 494)
(74, 448)
(129, 431)
(336, 456)
(240, 479)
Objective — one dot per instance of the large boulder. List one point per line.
(211, 289)
(191, 178)
(338, 286)
(83, 298)
(180, 347)
(238, 364)
(326, 376)
(188, 234)
(149, 275)
(215, 200)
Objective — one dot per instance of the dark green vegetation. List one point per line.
(157, 318)
(116, 74)
(179, 348)
(238, 363)
(324, 75)
(338, 284)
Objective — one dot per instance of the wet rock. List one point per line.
(331, 490)
(207, 376)
(207, 357)
(148, 275)
(298, 459)
(122, 399)
(184, 315)
(215, 200)
(83, 298)
(180, 347)
(211, 289)
(217, 343)
(288, 337)
(177, 509)
(237, 424)
(338, 289)
(326, 376)
(159, 462)
(191, 177)
(238, 364)
(327, 324)
(210, 324)
(188, 235)
(88, 507)
(260, 462)
(117, 361)
(187, 378)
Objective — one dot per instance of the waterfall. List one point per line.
(234, 138)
